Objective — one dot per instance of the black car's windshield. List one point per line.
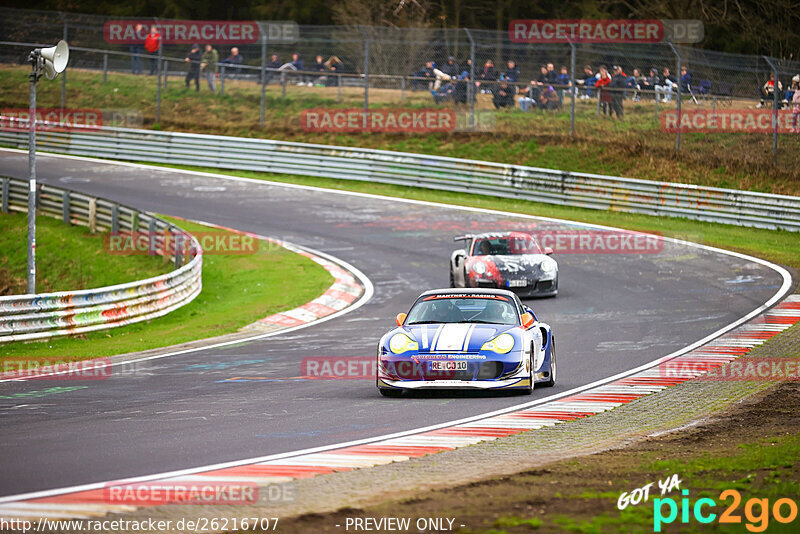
(488, 308)
(516, 243)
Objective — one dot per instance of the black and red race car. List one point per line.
(504, 260)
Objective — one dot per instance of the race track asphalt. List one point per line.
(614, 312)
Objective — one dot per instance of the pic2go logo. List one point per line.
(757, 512)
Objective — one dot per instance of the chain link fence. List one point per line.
(487, 80)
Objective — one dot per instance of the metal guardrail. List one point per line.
(26, 317)
(594, 191)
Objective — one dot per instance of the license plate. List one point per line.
(448, 366)
(517, 283)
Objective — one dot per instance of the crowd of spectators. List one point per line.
(451, 81)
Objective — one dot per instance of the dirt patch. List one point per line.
(581, 494)
(10, 285)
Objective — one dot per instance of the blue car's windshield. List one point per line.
(490, 309)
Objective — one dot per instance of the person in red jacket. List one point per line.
(603, 79)
(152, 44)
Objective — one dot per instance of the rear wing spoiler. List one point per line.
(463, 237)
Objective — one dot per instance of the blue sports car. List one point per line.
(466, 339)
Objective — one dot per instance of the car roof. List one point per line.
(469, 291)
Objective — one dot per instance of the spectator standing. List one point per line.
(233, 62)
(617, 86)
(552, 76)
(209, 65)
(796, 102)
(512, 72)
(603, 80)
(503, 96)
(462, 88)
(768, 90)
(193, 59)
(667, 86)
(136, 49)
(320, 68)
(152, 44)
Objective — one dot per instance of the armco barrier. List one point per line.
(26, 317)
(729, 206)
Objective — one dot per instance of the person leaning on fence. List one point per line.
(526, 98)
(298, 64)
(796, 103)
(423, 77)
(272, 66)
(233, 62)
(588, 81)
(603, 80)
(512, 72)
(488, 74)
(209, 67)
(136, 50)
(463, 91)
(617, 88)
(451, 68)
(334, 65)
(768, 91)
(319, 67)
(564, 80)
(635, 82)
(152, 44)
(650, 82)
(667, 87)
(193, 59)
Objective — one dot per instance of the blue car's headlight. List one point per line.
(501, 344)
(401, 343)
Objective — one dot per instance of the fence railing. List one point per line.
(26, 317)
(594, 191)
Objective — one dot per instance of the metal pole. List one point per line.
(222, 80)
(32, 177)
(471, 84)
(402, 89)
(339, 88)
(158, 81)
(263, 72)
(678, 62)
(366, 76)
(775, 101)
(166, 73)
(64, 74)
(105, 68)
(574, 88)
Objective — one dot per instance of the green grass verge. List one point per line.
(67, 258)
(779, 246)
(237, 290)
(762, 469)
